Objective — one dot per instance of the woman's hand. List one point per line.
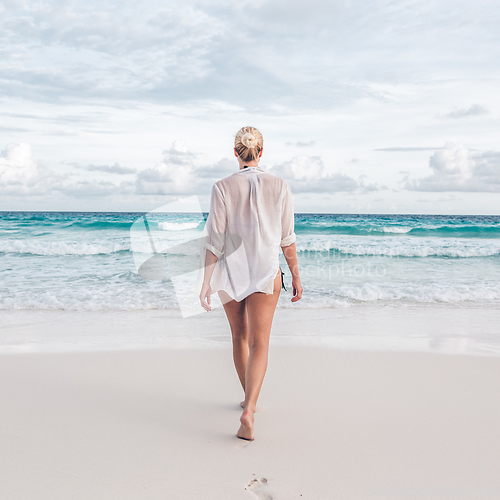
(297, 289)
(205, 296)
(290, 253)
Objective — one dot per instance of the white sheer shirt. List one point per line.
(251, 216)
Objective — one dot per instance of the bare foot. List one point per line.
(246, 428)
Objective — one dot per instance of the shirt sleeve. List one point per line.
(287, 222)
(216, 223)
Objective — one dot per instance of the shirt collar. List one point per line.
(249, 169)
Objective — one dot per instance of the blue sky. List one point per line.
(372, 107)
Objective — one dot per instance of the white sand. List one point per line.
(450, 330)
(332, 425)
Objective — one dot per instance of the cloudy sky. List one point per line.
(371, 107)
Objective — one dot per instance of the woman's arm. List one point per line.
(214, 245)
(205, 293)
(290, 253)
(288, 242)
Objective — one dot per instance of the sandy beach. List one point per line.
(160, 424)
(440, 329)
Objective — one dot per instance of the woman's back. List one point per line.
(251, 215)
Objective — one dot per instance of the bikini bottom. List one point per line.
(269, 288)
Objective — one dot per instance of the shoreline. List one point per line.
(331, 424)
(440, 329)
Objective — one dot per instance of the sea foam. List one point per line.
(178, 226)
(436, 247)
(41, 247)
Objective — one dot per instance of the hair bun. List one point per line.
(249, 140)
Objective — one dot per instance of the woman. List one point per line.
(251, 216)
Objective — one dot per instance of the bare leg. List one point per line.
(237, 317)
(260, 312)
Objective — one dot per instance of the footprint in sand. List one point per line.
(240, 444)
(259, 488)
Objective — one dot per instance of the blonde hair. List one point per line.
(248, 143)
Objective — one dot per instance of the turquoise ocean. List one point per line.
(77, 261)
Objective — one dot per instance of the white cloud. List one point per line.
(472, 110)
(22, 174)
(218, 170)
(320, 54)
(307, 174)
(178, 173)
(173, 175)
(407, 149)
(111, 169)
(93, 188)
(456, 168)
(301, 144)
